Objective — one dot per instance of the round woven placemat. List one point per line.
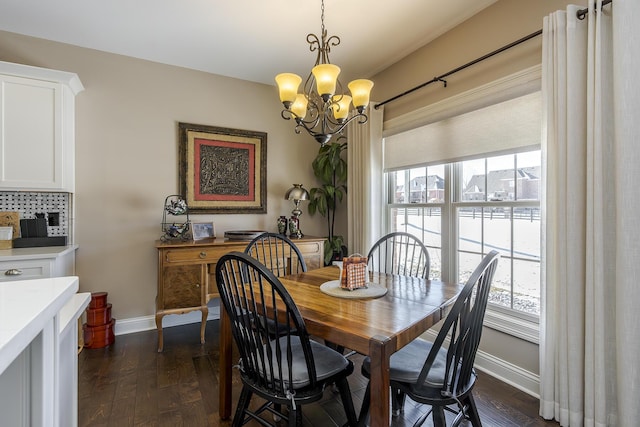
(333, 288)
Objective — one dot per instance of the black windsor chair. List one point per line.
(289, 370)
(399, 253)
(444, 377)
(278, 253)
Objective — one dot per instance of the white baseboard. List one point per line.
(507, 372)
(146, 323)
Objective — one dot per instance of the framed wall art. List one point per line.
(223, 170)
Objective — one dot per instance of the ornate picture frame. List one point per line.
(222, 170)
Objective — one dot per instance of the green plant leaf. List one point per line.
(332, 246)
(328, 253)
(330, 168)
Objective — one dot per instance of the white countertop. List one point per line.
(35, 253)
(26, 306)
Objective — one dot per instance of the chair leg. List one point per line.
(278, 408)
(397, 401)
(438, 417)
(347, 401)
(401, 399)
(472, 410)
(339, 349)
(295, 416)
(364, 410)
(243, 404)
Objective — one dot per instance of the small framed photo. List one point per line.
(203, 230)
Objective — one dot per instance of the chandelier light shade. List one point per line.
(299, 107)
(322, 108)
(288, 84)
(340, 106)
(360, 90)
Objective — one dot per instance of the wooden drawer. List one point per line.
(204, 255)
(312, 252)
(310, 248)
(24, 269)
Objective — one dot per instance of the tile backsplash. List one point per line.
(30, 203)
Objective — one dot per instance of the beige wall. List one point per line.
(126, 158)
(500, 24)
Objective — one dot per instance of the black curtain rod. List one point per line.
(462, 67)
(584, 12)
(580, 15)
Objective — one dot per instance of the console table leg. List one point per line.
(203, 324)
(159, 327)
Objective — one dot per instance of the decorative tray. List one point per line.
(242, 234)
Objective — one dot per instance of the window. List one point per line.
(493, 203)
(464, 176)
(417, 196)
(497, 206)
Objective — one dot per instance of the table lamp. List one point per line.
(297, 194)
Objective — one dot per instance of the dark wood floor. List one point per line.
(130, 384)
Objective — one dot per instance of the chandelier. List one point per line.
(323, 108)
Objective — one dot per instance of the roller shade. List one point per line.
(505, 126)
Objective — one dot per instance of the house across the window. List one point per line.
(503, 183)
(423, 189)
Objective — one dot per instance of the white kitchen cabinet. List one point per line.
(37, 128)
(20, 408)
(38, 351)
(37, 263)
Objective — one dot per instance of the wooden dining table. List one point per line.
(376, 327)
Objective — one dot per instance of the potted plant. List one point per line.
(331, 170)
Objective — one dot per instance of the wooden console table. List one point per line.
(186, 274)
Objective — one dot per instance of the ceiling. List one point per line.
(248, 39)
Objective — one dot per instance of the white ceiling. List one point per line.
(247, 39)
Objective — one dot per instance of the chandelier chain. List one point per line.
(322, 17)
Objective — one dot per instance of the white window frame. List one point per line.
(513, 322)
(518, 324)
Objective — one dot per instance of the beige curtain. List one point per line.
(589, 335)
(626, 128)
(365, 182)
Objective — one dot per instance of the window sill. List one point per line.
(524, 329)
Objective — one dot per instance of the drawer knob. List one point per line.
(197, 285)
(13, 272)
(203, 255)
